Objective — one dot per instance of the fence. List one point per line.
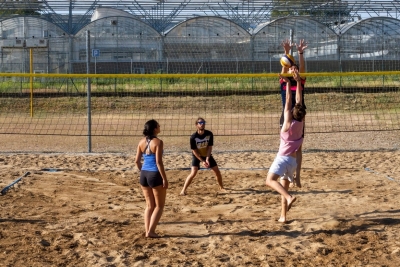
(237, 108)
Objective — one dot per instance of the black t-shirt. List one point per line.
(202, 142)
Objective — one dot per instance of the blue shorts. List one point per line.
(284, 166)
(150, 178)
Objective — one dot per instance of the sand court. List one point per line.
(87, 210)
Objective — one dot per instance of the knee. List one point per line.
(192, 174)
(160, 206)
(150, 206)
(270, 179)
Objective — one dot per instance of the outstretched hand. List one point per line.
(287, 45)
(303, 45)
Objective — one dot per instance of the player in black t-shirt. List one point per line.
(201, 143)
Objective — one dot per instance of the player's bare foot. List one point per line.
(282, 220)
(290, 202)
(222, 191)
(182, 193)
(152, 235)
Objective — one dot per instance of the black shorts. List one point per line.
(196, 161)
(281, 123)
(150, 178)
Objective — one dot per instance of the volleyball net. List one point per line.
(59, 112)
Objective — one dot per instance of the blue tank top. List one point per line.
(149, 159)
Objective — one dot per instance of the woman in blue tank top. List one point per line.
(153, 179)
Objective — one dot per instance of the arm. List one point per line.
(197, 155)
(299, 95)
(300, 49)
(287, 111)
(209, 147)
(138, 159)
(195, 151)
(209, 150)
(159, 147)
(286, 46)
(193, 146)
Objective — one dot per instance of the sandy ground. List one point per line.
(87, 210)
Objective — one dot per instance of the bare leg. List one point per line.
(299, 159)
(272, 182)
(189, 180)
(285, 184)
(219, 177)
(150, 204)
(160, 194)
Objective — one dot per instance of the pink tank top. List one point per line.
(292, 139)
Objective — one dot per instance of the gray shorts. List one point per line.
(284, 166)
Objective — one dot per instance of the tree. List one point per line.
(20, 7)
(320, 10)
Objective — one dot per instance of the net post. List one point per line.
(88, 92)
(31, 79)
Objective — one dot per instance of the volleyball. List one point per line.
(287, 61)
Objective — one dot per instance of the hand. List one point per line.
(287, 46)
(296, 75)
(206, 164)
(286, 79)
(165, 183)
(303, 45)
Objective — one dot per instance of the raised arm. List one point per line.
(287, 111)
(300, 50)
(299, 95)
(287, 46)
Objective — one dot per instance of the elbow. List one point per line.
(138, 163)
(160, 166)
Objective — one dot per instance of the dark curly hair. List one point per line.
(149, 128)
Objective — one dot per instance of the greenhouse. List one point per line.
(196, 36)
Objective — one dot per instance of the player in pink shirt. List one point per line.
(291, 139)
(287, 45)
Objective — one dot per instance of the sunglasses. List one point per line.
(201, 122)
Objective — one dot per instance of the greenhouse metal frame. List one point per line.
(197, 36)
